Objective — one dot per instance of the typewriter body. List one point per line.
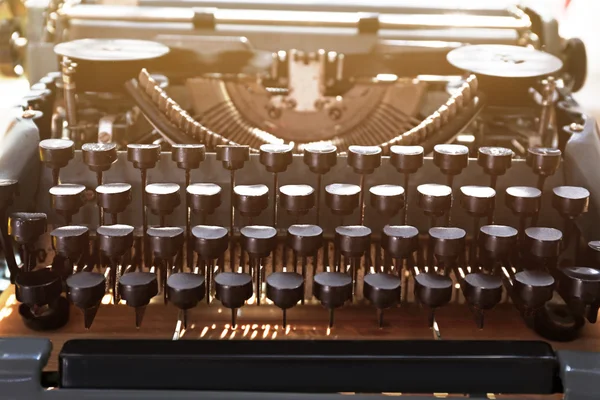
(259, 200)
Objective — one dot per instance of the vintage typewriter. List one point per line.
(411, 212)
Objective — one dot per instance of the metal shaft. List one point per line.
(231, 222)
(361, 200)
(145, 253)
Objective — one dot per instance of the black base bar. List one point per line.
(465, 367)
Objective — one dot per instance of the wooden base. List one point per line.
(265, 323)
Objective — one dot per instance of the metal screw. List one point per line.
(575, 127)
(335, 113)
(104, 137)
(274, 112)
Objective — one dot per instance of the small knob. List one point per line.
(477, 200)
(407, 159)
(143, 156)
(99, 157)
(297, 200)
(400, 241)
(162, 198)
(204, 198)
(165, 242)
(276, 157)
(543, 161)
(434, 199)
(210, 242)
(233, 156)
(534, 288)
(342, 198)
(353, 241)
(497, 240)
(320, 157)
(137, 289)
(251, 200)
(494, 160)
(26, 228)
(451, 159)
(482, 291)
(85, 291)
(258, 240)
(570, 201)
(70, 241)
(188, 156)
(38, 288)
(433, 290)
(447, 242)
(523, 200)
(56, 153)
(115, 240)
(364, 159)
(113, 197)
(67, 198)
(305, 240)
(388, 200)
(185, 290)
(543, 242)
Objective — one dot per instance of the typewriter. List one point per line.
(297, 201)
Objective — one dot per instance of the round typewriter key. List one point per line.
(233, 289)
(383, 291)
(447, 242)
(581, 283)
(258, 240)
(451, 159)
(26, 227)
(185, 291)
(433, 290)
(285, 290)
(400, 241)
(188, 156)
(353, 240)
(320, 157)
(233, 157)
(99, 157)
(364, 159)
(495, 161)
(342, 198)
(434, 199)
(143, 156)
(114, 198)
(543, 242)
(523, 200)
(37, 288)
(251, 200)
(305, 240)
(137, 289)
(406, 159)
(67, 199)
(162, 198)
(210, 242)
(387, 199)
(115, 240)
(543, 161)
(86, 290)
(165, 242)
(482, 291)
(332, 289)
(478, 201)
(70, 241)
(570, 201)
(534, 288)
(204, 198)
(56, 154)
(497, 240)
(296, 199)
(276, 157)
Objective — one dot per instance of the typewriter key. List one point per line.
(524, 202)
(285, 290)
(162, 199)
(26, 229)
(259, 242)
(383, 291)
(435, 200)
(137, 289)
(332, 289)
(320, 158)
(276, 158)
(71, 242)
(353, 242)
(210, 242)
(533, 288)
(114, 242)
(544, 162)
(447, 243)
(570, 201)
(56, 154)
(495, 161)
(342, 198)
(251, 200)
(114, 198)
(67, 199)
(86, 290)
(99, 157)
(204, 198)
(185, 290)
(363, 160)
(388, 200)
(451, 159)
(497, 241)
(482, 292)
(407, 160)
(400, 242)
(297, 200)
(233, 156)
(233, 290)
(165, 244)
(543, 242)
(433, 291)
